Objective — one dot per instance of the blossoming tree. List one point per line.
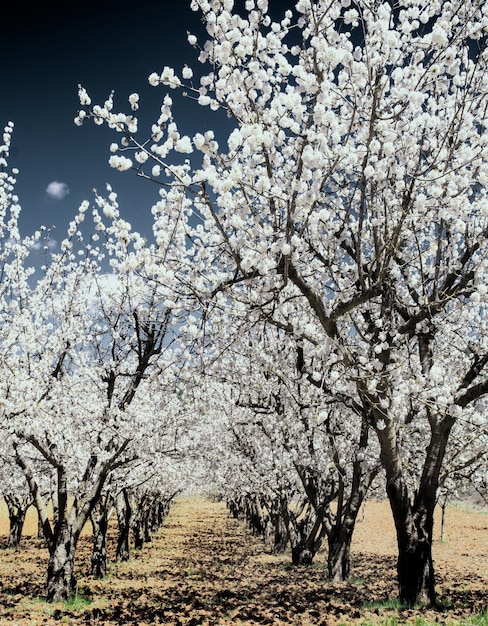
(353, 182)
(86, 356)
(319, 441)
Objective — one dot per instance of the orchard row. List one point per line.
(308, 323)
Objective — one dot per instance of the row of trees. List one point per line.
(92, 405)
(347, 208)
(311, 312)
(297, 461)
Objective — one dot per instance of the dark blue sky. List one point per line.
(47, 48)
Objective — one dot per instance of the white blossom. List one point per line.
(184, 145)
(120, 163)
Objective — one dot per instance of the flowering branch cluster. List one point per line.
(346, 209)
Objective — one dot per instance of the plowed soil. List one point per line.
(203, 567)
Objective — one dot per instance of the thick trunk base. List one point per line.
(138, 534)
(17, 511)
(416, 581)
(301, 556)
(339, 559)
(16, 527)
(99, 553)
(61, 581)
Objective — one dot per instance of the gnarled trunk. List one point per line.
(62, 534)
(124, 518)
(17, 510)
(306, 530)
(278, 531)
(280, 538)
(40, 529)
(256, 516)
(99, 552)
(414, 521)
(138, 533)
(340, 528)
(61, 580)
(415, 568)
(301, 554)
(339, 554)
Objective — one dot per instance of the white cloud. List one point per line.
(50, 244)
(57, 190)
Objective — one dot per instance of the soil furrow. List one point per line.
(203, 567)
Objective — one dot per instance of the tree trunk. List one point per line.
(339, 555)
(124, 517)
(415, 567)
(443, 520)
(301, 555)
(63, 532)
(138, 533)
(17, 510)
(278, 532)
(40, 529)
(99, 551)
(16, 526)
(61, 581)
(256, 516)
(414, 522)
(341, 525)
(280, 538)
(149, 526)
(306, 534)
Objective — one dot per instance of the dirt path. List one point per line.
(204, 568)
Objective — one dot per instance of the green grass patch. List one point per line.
(77, 602)
(394, 620)
(383, 621)
(357, 581)
(478, 620)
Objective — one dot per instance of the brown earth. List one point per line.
(203, 567)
